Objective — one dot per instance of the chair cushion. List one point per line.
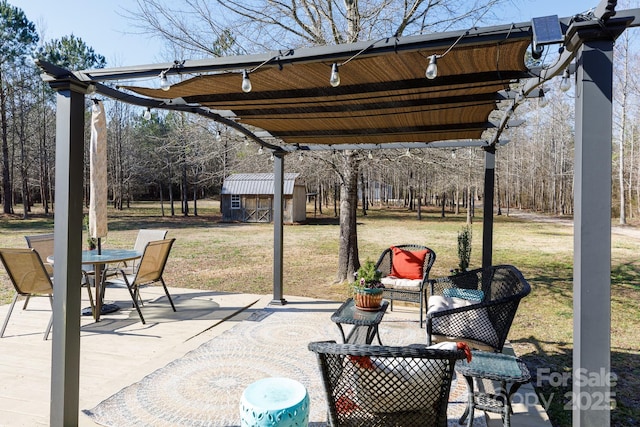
(392, 385)
(441, 303)
(474, 323)
(468, 294)
(407, 264)
(404, 284)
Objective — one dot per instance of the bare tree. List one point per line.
(197, 26)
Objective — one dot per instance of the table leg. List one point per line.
(377, 333)
(468, 412)
(344, 339)
(97, 278)
(507, 405)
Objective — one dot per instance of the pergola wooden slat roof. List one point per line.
(384, 96)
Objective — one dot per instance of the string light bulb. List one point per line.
(260, 150)
(542, 100)
(565, 83)
(91, 89)
(164, 82)
(432, 68)
(300, 157)
(334, 80)
(272, 157)
(147, 114)
(246, 83)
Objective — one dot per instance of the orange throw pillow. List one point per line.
(407, 264)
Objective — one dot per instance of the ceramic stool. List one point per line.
(268, 402)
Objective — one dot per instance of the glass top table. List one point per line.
(365, 323)
(497, 367)
(99, 260)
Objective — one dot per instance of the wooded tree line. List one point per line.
(179, 158)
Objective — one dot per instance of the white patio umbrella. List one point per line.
(98, 174)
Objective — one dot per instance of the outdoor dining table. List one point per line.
(99, 261)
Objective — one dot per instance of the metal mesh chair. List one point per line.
(29, 278)
(386, 386)
(145, 235)
(149, 271)
(476, 306)
(43, 244)
(413, 292)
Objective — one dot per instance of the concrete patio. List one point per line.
(119, 351)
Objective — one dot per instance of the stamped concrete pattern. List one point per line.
(204, 387)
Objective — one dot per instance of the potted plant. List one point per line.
(367, 289)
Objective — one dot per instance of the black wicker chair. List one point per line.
(372, 386)
(412, 293)
(476, 306)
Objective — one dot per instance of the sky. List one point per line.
(100, 25)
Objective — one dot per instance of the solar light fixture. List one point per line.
(546, 30)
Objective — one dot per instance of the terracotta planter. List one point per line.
(368, 299)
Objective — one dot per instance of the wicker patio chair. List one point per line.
(410, 289)
(476, 306)
(149, 271)
(372, 386)
(29, 278)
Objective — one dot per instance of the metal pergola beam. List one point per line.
(333, 53)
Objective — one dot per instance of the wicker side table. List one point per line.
(497, 367)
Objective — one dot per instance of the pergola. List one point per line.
(383, 100)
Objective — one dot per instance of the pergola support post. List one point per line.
(65, 353)
(278, 226)
(592, 235)
(487, 216)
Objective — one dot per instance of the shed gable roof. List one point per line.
(257, 183)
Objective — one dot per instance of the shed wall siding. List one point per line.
(256, 196)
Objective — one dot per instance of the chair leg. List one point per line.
(6, 320)
(133, 294)
(26, 301)
(48, 330)
(166, 291)
(421, 310)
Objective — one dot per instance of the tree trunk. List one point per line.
(6, 178)
(348, 262)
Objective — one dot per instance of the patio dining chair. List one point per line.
(476, 306)
(145, 235)
(29, 278)
(369, 385)
(405, 273)
(43, 245)
(149, 271)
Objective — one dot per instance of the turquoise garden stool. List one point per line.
(271, 402)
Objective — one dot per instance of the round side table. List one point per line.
(271, 402)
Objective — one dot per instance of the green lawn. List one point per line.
(212, 255)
